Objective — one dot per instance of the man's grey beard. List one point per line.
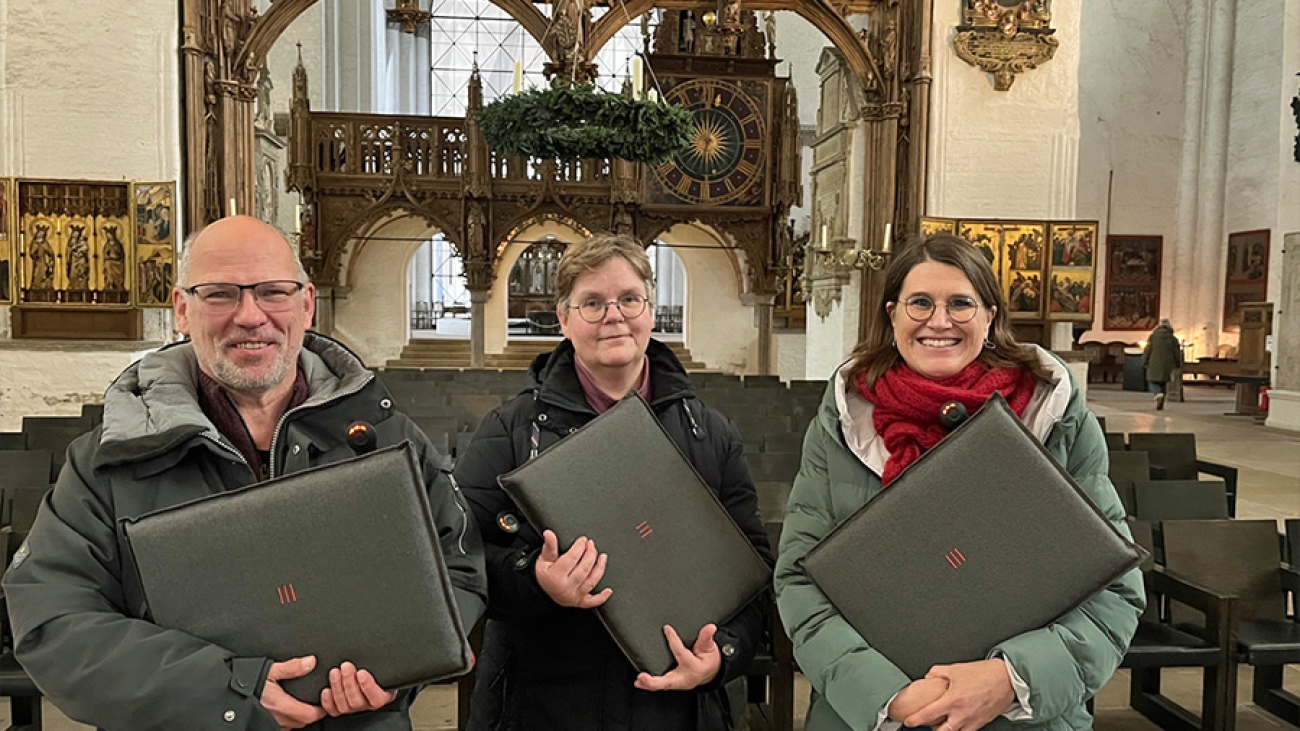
(234, 378)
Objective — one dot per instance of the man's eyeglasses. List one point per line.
(960, 309)
(593, 310)
(273, 296)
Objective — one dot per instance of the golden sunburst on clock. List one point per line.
(725, 161)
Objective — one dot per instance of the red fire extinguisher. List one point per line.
(1263, 399)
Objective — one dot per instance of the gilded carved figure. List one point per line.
(114, 260)
(42, 258)
(78, 261)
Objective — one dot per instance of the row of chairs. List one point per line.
(1218, 599)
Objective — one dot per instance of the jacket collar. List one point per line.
(852, 414)
(554, 377)
(153, 405)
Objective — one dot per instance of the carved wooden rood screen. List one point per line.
(355, 171)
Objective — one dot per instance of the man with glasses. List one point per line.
(251, 395)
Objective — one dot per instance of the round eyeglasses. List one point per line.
(593, 310)
(961, 310)
(273, 296)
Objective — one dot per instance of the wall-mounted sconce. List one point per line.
(832, 262)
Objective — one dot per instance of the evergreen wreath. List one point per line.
(578, 121)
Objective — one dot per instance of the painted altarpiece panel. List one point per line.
(1132, 282)
(1247, 274)
(153, 219)
(8, 274)
(931, 226)
(1073, 257)
(66, 231)
(1023, 251)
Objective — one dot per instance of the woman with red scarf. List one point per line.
(946, 338)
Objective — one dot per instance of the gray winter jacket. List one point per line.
(76, 604)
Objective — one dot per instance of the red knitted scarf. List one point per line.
(907, 405)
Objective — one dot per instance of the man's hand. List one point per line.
(917, 695)
(289, 712)
(978, 692)
(569, 579)
(353, 691)
(695, 666)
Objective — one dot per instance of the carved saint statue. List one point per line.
(42, 258)
(567, 31)
(264, 118)
(114, 260)
(688, 32)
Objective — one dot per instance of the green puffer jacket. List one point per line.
(1063, 664)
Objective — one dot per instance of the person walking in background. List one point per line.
(1161, 357)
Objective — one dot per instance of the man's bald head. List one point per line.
(227, 231)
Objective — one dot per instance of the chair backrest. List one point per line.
(1292, 552)
(1145, 539)
(23, 505)
(29, 468)
(1161, 500)
(1101, 420)
(14, 440)
(1176, 453)
(1237, 557)
(1115, 442)
(1129, 465)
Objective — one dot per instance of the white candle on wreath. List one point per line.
(231, 209)
(653, 96)
(889, 232)
(637, 77)
(519, 77)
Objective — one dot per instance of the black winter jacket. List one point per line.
(75, 601)
(546, 667)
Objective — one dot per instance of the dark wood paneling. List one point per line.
(67, 323)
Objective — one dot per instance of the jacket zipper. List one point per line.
(464, 519)
(275, 436)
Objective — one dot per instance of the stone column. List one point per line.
(355, 31)
(763, 303)
(1197, 264)
(406, 69)
(1284, 398)
(477, 327)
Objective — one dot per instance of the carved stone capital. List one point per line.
(409, 15)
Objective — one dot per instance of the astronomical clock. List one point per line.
(727, 160)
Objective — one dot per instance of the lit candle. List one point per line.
(889, 232)
(231, 209)
(653, 96)
(519, 77)
(297, 219)
(636, 77)
(826, 238)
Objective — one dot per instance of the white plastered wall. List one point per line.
(1004, 154)
(88, 91)
(372, 320)
(1131, 81)
(719, 330)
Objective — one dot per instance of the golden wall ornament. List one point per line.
(1005, 37)
(409, 15)
(8, 270)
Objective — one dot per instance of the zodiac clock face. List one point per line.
(725, 161)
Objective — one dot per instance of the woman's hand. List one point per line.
(570, 578)
(978, 692)
(695, 666)
(917, 695)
